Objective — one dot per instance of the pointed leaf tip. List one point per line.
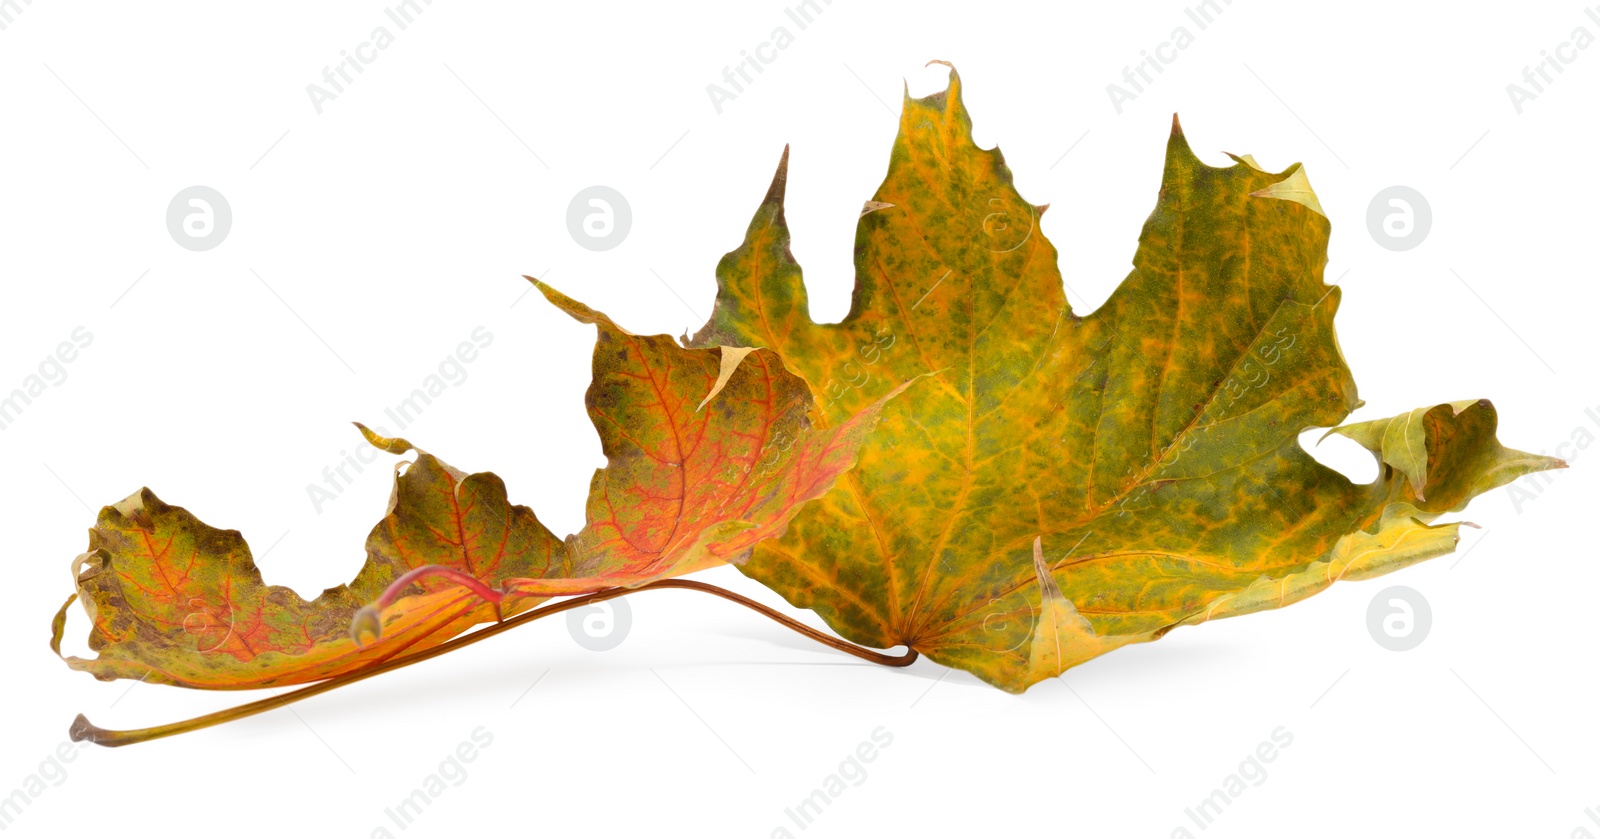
(731, 356)
(948, 99)
(1178, 148)
(539, 284)
(392, 445)
(780, 180)
(1296, 188)
(1248, 160)
(578, 311)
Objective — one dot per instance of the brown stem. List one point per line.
(82, 729)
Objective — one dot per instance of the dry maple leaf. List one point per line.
(708, 452)
(1067, 484)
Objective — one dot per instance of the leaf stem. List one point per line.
(82, 729)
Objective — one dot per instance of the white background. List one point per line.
(382, 231)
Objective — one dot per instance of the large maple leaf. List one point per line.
(708, 452)
(1069, 484)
